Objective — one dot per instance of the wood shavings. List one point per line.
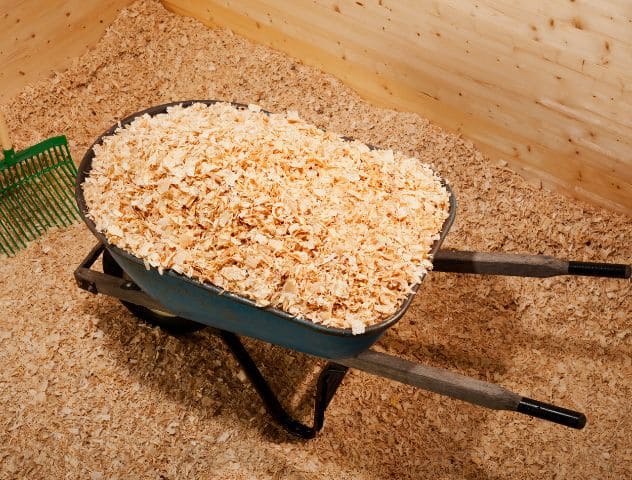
(516, 332)
(269, 207)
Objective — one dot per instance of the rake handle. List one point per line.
(5, 138)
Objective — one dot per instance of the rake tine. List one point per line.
(17, 207)
(66, 161)
(34, 182)
(16, 237)
(67, 166)
(31, 198)
(6, 241)
(61, 192)
(66, 171)
(8, 223)
(49, 178)
(62, 174)
(27, 216)
(37, 195)
(45, 192)
(69, 200)
(52, 193)
(5, 252)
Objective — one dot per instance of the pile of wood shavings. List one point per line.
(89, 391)
(269, 207)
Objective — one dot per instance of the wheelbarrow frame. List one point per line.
(434, 379)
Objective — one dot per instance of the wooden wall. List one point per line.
(38, 36)
(544, 86)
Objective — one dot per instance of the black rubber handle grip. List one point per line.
(546, 411)
(612, 270)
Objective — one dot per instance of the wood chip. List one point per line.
(532, 336)
(269, 207)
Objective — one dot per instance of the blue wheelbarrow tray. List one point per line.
(212, 306)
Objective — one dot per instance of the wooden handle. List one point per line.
(436, 380)
(498, 264)
(5, 138)
(464, 388)
(521, 265)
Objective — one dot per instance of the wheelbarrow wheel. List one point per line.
(168, 322)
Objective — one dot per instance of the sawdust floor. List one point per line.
(87, 391)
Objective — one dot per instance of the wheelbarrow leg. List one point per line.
(328, 382)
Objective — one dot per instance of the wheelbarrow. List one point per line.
(180, 304)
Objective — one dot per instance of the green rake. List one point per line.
(36, 190)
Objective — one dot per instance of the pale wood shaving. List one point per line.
(269, 207)
(564, 340)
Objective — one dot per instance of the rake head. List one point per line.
(36, 192)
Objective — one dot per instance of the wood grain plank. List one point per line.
(545, 87)
(41, 36)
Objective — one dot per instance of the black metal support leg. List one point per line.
(328, 382)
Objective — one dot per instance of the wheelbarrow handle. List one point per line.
(454, 385)
(592, 269)
(522, 265)
(552, 413)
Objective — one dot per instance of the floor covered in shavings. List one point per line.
(87, 391)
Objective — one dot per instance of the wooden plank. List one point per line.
(545, 87)
(41, 36)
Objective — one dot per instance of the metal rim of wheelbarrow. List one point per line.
(84, 171)
(167, 321)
